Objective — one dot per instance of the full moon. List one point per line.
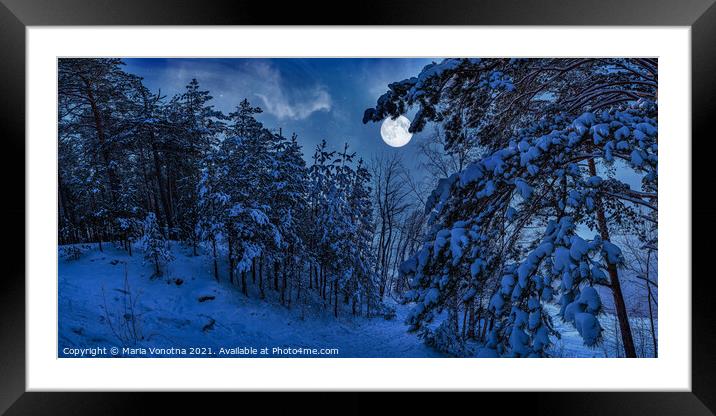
(395, 132)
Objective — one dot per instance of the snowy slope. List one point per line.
(171, 315)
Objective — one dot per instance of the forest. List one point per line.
(535, 210)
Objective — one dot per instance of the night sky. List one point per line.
(317, 98)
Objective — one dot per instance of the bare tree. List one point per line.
(411, 232)
(390, 193)
(643, 265)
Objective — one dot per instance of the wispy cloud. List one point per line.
(258, 80)
(289, 103)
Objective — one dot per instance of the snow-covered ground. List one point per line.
(170, 315)
(187, 308)
(570, 344)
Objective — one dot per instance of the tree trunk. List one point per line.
(619, 304)
(290, 291)
(486, 327)
(387, 257)
(323, 283)
(66, 212)
(171, 191)
(367, 302)
(310, 276)
(335, 298)
(651, 322)
(648, 299)
(261, 278)
(453, 314)
(464, 321)
(471, 325)
(160, 184)
(244, 289)
(316, 270)
(276, 266)
(103, 145)
(156, 265)
(231, 261)
(216, 264)
(478, 323)
(284, 282)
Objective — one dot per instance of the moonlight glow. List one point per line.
(395, 132)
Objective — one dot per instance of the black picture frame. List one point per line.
(15, 15)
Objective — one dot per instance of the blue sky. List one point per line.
(317, 98)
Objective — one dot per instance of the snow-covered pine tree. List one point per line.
(343, 227)
(212, 210)
(341, 223)
(531, 219)
(196, 127)
(124, 152)
(289, 213)
(246, 156)
(329, 210)
(155, 246)
(363, 287)
(95, 109)
(320, 177)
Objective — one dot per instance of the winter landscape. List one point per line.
(357, 207)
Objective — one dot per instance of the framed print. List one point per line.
(413, 201)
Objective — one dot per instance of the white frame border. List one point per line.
(671, 371)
